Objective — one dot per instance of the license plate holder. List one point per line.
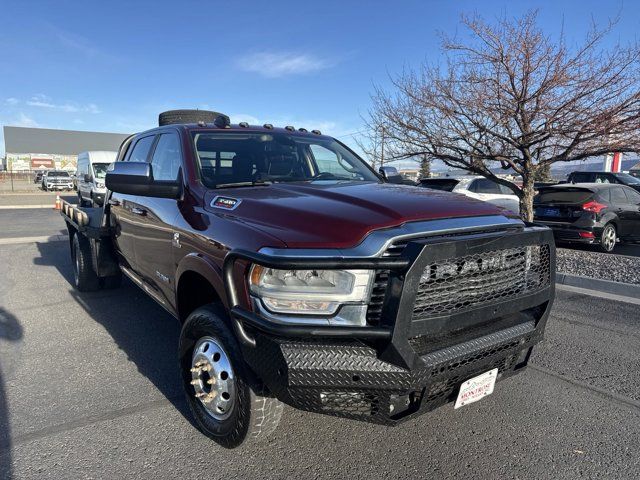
(476, 388)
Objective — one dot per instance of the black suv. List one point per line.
(605, 177)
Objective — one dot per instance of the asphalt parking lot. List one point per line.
(88, 389)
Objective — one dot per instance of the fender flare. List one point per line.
(202, 265)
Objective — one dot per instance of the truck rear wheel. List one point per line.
(85, 277)
(227, 405)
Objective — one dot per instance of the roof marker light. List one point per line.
(268, 125)
(243, 124)
(304, 130)
(222, 121)
(290, 128)
(317, 132)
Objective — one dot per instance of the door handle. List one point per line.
(115, 203)
(138, 211)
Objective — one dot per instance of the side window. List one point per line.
(166, 159)
(618, 196)
(605, 179)
(141, 149)
(581, 178)
(327, 160)
(605, 195)
(505, 190)
(484, 185)
(633, 196)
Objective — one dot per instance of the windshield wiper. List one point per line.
(260, 183)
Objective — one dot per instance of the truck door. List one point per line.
(125, 211)
(154, 243)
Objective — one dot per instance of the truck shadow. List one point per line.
(139, 327)
(10, 334)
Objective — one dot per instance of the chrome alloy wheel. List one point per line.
(212, 378)
(609, 238)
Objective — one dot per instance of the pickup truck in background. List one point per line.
(299, 275)
(53, 180)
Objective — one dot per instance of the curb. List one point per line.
(21, 207)
(606, 286)
(42, 239)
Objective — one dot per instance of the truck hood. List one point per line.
(340, 215)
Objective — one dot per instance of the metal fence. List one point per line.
(18, 182)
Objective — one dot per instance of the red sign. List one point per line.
(42, 162)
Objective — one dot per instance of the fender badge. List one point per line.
(226, 203)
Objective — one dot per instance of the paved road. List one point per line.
(88, 390)
(39, 198)
(31, 222)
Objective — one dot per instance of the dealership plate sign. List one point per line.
(476, 388)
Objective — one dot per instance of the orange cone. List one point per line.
(58, 205)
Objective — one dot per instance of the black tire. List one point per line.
(85, 276)
(608, 238)
(255, 414)
(187, 116)
(111, 282)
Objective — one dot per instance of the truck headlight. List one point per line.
(309, 292)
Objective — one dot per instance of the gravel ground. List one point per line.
(604, 266)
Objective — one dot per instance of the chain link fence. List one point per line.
(19, 182)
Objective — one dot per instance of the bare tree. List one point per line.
(511, 98)
(371, 142)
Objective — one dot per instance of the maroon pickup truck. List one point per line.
(301, 276)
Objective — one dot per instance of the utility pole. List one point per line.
(11, 174)
(382, 146)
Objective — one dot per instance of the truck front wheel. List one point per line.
(227, 405)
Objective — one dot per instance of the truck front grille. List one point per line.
(458, 284)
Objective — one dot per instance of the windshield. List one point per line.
(100, 170)
(568, 195)
(628, 179)
(227, 158)
(55, 173)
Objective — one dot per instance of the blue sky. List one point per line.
(113, 66)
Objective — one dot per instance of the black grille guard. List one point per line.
(396, 325)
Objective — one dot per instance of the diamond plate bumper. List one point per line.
(347, 379)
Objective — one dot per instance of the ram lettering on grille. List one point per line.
(458, 284)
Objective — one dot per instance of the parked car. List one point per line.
(605, 177)
(37, 177)
(476, 187)
(57, 180)
(90, 173)
(300, 276)
(594, 213)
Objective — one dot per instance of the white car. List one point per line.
(477, 187)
